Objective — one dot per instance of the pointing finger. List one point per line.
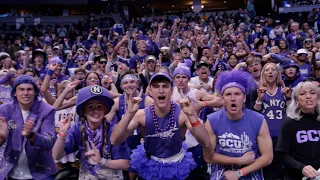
(140, 94)
(283, 84)
(181, 93)
(88, 146)
(93, 146)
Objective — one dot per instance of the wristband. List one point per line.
(50, 72)
(62, 135)
(205, 103)
(103, 161)
(242, 171)
(195, 124)
(258, 102)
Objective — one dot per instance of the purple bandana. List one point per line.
(95, 137)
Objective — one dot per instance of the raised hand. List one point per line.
(64, 124)
(248, 158)
(186, 104)
(134, 103)
(53, 66)
(72, 86)
(286, 91)
(3, 128)
(93, 154)
(27, 128)
(261, 91)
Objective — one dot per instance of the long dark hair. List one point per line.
(99, 78)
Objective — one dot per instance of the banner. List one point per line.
(36, 21)
(19, 22)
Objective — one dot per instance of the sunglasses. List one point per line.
(309, 41)
(229, 45)
(103, 62)
(302, 55)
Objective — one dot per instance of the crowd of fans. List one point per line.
(67, 66)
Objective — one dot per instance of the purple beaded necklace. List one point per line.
(171, 123)
(125, 107)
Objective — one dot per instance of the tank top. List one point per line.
(235, 138)
(274, 110)
(122, 106)
(191, 94)
(190, 139)
(165, 147)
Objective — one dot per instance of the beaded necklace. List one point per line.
(125, 107)
(171, 123)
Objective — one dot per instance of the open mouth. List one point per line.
(233, 107)
(255, 70)
(96, 115)
(161, 98)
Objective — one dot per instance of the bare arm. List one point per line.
(69, 103)
(126, 126)
(45, 90)
(211, 100)
(122, 164)
(113, 110)
(265, 148)
(199, 132)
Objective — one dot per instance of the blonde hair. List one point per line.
(293, 110)
(263, 77)
(61, 86)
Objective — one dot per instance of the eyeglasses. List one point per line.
(308, 41)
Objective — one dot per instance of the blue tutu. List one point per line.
(151, 169)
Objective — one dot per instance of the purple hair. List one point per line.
(237, 77)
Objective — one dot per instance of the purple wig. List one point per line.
(235, 78)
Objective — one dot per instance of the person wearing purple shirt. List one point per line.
(272, 102)
(294, 39)
(26, 134)
(98, 158)
(56, 74)
(239, 152)
(39, 58)
(140, 56)
(162, 155)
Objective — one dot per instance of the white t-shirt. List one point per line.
(21, 169)
(196, 82)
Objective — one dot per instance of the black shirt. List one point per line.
(298, 143)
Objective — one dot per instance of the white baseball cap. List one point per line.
(302, 51)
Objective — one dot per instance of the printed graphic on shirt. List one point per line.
(274, 109)
(310, 135)
(165, 134)
(232, 143)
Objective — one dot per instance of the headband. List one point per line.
(232, 84)
(129, 77)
